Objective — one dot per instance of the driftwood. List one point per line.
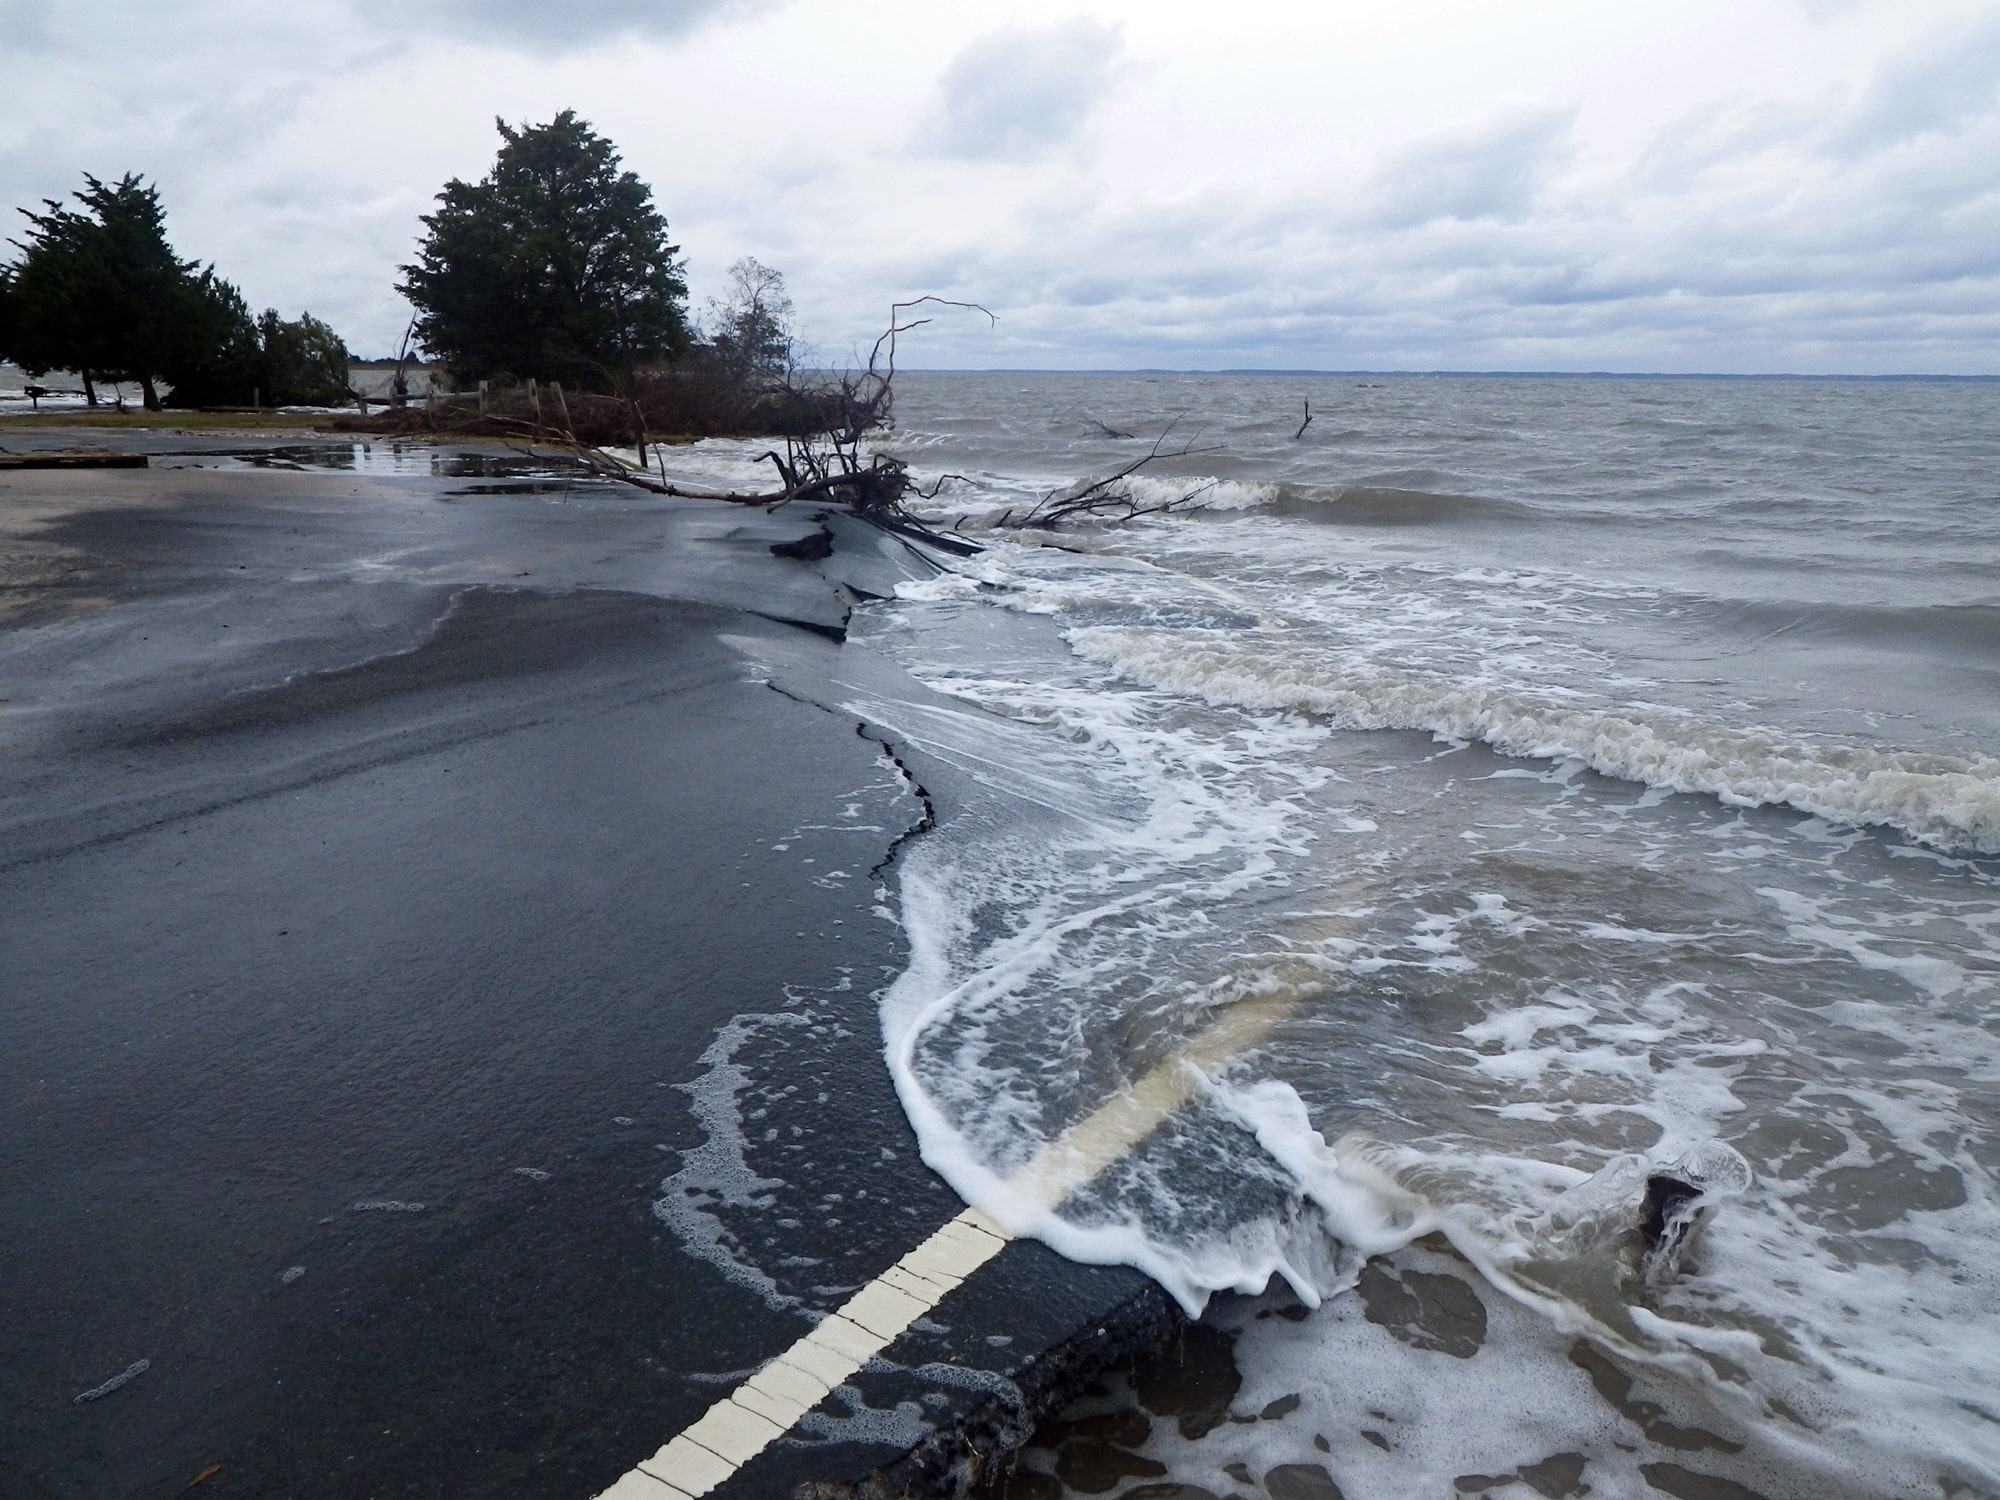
(1305, 424)
(1106, 499)
(828, 465)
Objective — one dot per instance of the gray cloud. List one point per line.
(25, 25)
(561, 25)
(1848, 220)
(1488, 174)
(1015, 93)
(1934, 87)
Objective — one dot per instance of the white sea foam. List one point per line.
(717, 1173)
(1948, 802)
(1502, 989)
(1203, 491)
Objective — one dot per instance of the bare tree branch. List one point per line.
(1106, 499)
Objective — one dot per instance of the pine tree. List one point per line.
(101, 292)
(555, 265)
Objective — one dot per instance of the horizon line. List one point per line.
(1448, 374)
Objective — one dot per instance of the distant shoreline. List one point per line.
(1485, 375)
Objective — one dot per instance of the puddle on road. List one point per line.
(534, 473)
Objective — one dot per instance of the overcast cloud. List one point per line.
(1557, 184)
(1017, 93)
(561, 25)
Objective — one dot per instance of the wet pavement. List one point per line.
(411, 889)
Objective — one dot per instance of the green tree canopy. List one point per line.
(99, 290)
(302, 362)
(556, 264)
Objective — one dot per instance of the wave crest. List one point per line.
(1949, 802)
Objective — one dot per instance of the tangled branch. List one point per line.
(829, 463)
(1109, 498)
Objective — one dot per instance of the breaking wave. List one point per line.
(1947, 801)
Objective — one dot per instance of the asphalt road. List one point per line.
(409, 882)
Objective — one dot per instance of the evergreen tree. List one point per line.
(301, 362)
(213, 357)
(556, 265)
(99, 290)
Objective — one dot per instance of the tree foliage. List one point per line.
(99, 290)
(302, 361)
(554, 265)
(750, 326)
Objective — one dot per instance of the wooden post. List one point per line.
(535, 396)
(482, 398)
(563, 407)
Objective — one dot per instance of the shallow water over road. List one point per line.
(1571, 769)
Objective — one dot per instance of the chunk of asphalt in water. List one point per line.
(815, 546)
(1558, 1478)
(1424, 1309)
(1195, 1381)
(1301, 1482)
(99, 1392)
(1671, 1205)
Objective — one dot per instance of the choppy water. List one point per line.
(1555, 771)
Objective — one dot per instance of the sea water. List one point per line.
(1532, 781)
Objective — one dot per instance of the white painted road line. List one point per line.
(747, 1421)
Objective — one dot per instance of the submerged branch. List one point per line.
(1107, 499)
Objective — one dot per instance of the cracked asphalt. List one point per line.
(410, 888)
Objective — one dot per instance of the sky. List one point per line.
(1733, 186)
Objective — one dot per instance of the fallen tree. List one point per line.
(1111, 498)
(826, 461)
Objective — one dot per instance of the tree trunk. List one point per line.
(89, 388)
(152, 395)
